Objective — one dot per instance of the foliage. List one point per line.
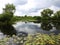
(6, 16)
(56, 16)
(46, 14)
(26, 18)
(43, 39)
(9, 8)
(36, 39)
(6, 20)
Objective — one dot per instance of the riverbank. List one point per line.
(37, 39)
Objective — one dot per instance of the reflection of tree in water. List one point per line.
(8, 30)
(46, 26)
(56, 24)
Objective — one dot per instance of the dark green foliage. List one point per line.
(46, 26)
(56, 16)
(8, 30)
(6, 20)
(46, 14)
(7, 15)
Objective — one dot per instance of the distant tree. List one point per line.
(38, 18)
(25, 15)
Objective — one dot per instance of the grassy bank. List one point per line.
(37, 39)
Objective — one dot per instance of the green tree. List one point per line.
(56, 16)
(6, 20)
(7, 15)
(9, 8)
(46, 14)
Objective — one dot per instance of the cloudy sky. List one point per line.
(31, 7)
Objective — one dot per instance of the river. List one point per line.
(31, 28)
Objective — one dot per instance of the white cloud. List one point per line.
(3, 3)
(54, 8)
(31, 7)
(20, 2)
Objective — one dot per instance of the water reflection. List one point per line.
(27, 27)
(46, 26)
(56, 24)
(31, 28)
(8, 30)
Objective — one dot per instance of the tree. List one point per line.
(38, 18)
(9, 8)
(7, 15)
(25, 15)
(56, 15)
(6, 20)
(46, 14)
